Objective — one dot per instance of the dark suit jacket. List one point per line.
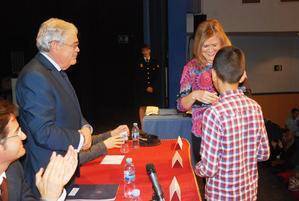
(18, 189)
(97, 149)
(49, 112)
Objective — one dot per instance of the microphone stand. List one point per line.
(155, 197)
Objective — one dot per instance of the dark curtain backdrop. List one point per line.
(104, 75)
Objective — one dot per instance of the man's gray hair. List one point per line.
(53, 29)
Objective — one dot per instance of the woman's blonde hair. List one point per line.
(204, 31)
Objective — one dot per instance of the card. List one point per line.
(177, 158)
(180, 142)
(175, 188)
(112, 159)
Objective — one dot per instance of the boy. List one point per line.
(234, 136)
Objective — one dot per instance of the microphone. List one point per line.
(151, 171)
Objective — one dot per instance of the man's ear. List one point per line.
(54, 46)
(243, 78)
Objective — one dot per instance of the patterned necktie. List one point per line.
(63, 74)
(4, 190)
(65, 77)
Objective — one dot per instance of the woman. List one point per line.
(197, 91)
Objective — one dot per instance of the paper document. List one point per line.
(112, 159)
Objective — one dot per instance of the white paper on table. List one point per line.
(180, 142)
(177, 158)
(112, 159)
(175, 187)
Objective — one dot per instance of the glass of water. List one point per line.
(125, 146)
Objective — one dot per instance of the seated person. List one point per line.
(275, 133)
(294, 182)
(102, 142)
(284, 151)
(274, 130)
(50, 182)
(292, 122)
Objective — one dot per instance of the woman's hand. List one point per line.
(204, 96)
(114, 142)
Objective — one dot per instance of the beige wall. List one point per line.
(276, 107)
(266, 16)
(262, 53)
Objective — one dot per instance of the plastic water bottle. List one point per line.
(135, 135)
(125, 146)
(129, 178)
(136, 195)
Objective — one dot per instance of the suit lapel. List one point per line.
(66, 84)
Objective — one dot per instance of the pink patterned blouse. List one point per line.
(195, 77)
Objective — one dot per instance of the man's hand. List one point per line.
(280, 145)
(50, 182)
(114, 142)
(274, 144)
(120, 129)
(70, 164)
(86, 132)
(150, 90)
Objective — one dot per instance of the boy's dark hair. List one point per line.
(229, 64)
(6, 110)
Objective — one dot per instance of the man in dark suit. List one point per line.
(50, 113)
(12, 183)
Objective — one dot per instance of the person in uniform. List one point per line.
(148, 82)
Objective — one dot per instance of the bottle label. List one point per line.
(129, 177)
(135, 135)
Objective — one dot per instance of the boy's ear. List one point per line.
(243, 78)
(214, 76)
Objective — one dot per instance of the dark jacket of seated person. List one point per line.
(97, 149)
(102, 142)
(18, 189)
(284, 151)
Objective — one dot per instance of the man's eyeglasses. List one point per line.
(17, 133)
(74, 45)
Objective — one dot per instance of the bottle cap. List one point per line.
(135, 124)
(129, 160)
(136, 192)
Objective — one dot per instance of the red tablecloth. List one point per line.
(95, 173)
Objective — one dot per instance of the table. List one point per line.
(168, 125)
(95, 173)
